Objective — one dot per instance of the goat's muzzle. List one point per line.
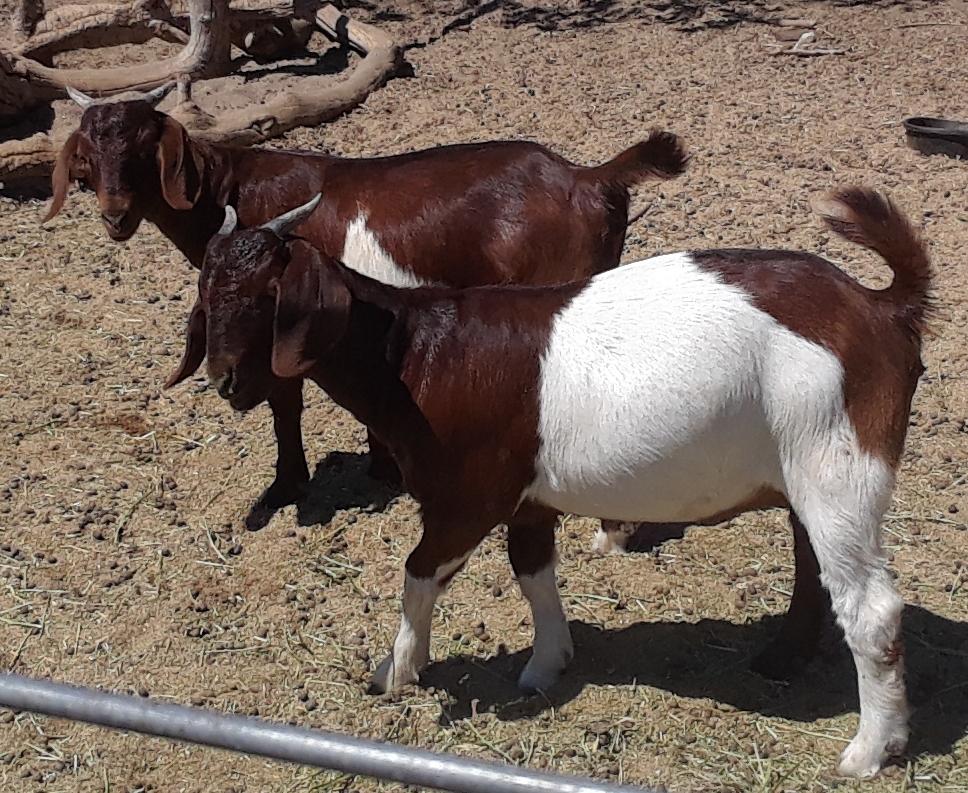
(238, 395)
(118, 225)
(226, 385)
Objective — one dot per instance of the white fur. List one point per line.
(411, 648)
(553, 647)
(650, 386)
(612, 537)
(362, 252)
(666, 395)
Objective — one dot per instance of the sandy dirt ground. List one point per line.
(125, 557)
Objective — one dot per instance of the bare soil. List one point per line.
(125, 557)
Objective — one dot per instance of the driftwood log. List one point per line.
(91, 25)
(208, 29)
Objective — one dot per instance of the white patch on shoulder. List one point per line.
(667, 396)
(362, 252)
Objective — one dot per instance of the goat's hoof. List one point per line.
(390, 677)
(864, 758)
(534, 680)
(607, 543)
(541, 676)
(281, 493)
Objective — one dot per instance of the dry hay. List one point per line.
(124, 557)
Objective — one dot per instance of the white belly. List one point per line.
(650, 467)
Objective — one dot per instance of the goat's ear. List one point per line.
(181, 174)
(311, 298)
(195, 341)
(62, 176)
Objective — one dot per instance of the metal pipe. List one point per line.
(295, 744)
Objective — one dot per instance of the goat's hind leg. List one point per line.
(842, 516)
(803, 625)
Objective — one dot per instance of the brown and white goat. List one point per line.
(465, 215)
(674, 389)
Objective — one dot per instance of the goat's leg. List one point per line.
(440, 554)
(618, 537)
(842, 519)
(382, 467)
(612, 537)
(292, 473)
(800, 634)
(531, 547)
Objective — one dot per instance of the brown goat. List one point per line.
(465, 215)
(681, 388)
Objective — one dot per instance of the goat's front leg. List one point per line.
(439, 555)
(292, 473)
(382, 467)
(531, 547)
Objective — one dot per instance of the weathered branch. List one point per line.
(28, 158)
(106, 24)
(205, 55)
(16, 95)
(91, 26)
(317, 99)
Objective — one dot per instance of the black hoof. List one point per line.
(281, 494)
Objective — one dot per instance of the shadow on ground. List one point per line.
(710, 658)
(340, 482)
(687, 15)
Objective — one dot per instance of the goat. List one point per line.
(673, 389)
(463, 215)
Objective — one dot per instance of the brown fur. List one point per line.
(446, 378)
(449, 379)
(876, 334)
(465, 215)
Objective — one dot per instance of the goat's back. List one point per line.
(463, 215)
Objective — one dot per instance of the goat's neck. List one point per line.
(191, 229)
(362, 372)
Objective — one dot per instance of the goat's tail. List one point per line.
(660, 156)
(870, 219)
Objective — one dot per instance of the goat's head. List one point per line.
(122, 150)
(260, 296)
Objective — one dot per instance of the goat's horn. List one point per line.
(230, 222)
(80, 97)
(155, 96)
(283, 224)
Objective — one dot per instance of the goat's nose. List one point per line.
(226, 385)
(114, 219)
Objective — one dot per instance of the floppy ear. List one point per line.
(195, 341)
(62, 176)
(311, 299)
(181, 173)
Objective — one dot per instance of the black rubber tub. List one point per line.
(937, 136)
